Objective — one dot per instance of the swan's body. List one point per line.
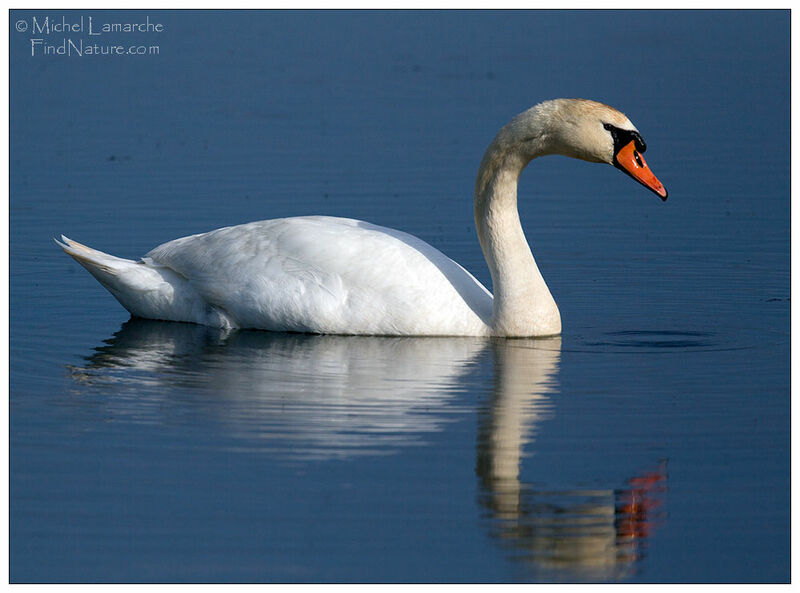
(299, 274)
(333, 275)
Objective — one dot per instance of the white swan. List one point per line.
(340, 276)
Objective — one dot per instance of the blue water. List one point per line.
(650, 443)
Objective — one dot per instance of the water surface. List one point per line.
(650, 443)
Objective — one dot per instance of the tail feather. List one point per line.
(132, 283)
(146, 290)
(94, 260)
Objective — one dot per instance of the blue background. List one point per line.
(164, 452)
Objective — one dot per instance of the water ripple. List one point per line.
(661, 341)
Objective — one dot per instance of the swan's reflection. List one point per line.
(562, 534)
(303, 396)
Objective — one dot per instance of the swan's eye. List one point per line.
(623, 137)
(638, 159)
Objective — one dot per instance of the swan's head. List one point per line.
(589, 131)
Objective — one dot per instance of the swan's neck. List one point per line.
(523, 305)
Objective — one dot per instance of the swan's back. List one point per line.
(327, 275)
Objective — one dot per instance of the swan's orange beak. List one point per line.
(632, 162)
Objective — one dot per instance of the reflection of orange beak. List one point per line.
(632, 162)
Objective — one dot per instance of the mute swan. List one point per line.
(340, 276)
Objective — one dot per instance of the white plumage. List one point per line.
(301, 274)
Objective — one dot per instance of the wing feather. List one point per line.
(328, 275)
